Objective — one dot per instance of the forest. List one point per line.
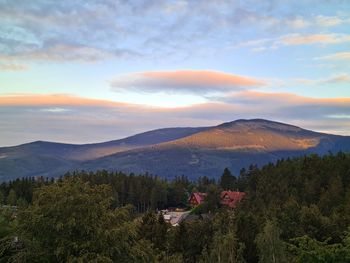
(295, 210)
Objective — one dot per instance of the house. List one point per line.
(231, 198)
(227, 198)
(197, 198)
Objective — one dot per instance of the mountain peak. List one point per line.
(253, 124)
(253, 121)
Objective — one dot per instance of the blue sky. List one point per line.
(115, 68)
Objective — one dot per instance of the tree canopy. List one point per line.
(295, 210)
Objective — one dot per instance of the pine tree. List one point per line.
(227, 180)
(271, 248)
(12, 198)
(160, 235)
(212, 200)
(1, 197)
(226, 248)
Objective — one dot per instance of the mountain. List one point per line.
(174, 151)
(51, 159)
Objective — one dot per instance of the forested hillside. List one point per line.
(297, 210)
(172, 152)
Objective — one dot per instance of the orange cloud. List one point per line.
(260, 45)
(201, 77)
(12, 67)
(229, 102)
(187, 81)
(54, 100)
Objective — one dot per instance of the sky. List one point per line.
(89, 71)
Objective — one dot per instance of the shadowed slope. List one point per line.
(235, 145)
(53, 159)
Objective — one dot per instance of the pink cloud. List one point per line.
(55, 100)
(298, 39)
(187, 81)
(201, 77)
(259, 45)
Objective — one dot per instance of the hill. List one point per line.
(51, 159)
(174, 151)
(234, 145)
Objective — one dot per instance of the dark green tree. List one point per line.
(212, 201)
(271, 248)
(309, 250)
(12, 198)
(2, 198)
(71, 221)
(228, 181)
(154, 228)
(225, 245)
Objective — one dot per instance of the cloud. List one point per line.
(317, 21)
(258, 49)
(67, 53)
(30, 117)
(336, 56)
(55, 110)
(12, 67)
(183, 81)
(111, 29)
(27, 118)
(342, 78)
(339, 116)
(329, 21)
(291, 108)
(334, 79)
(325, 39)
(73, 31)
(55, 100)
(296, 39)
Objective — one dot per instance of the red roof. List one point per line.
(198, 197)
(231, 198)
(228, 198)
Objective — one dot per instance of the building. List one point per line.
(227, 198)
(174, 218)
(231, 198)
(197, 198)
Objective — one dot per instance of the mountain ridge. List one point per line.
(169, 152)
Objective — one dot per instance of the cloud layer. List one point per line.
(89, 31)
(72, 119)
(53, 100)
